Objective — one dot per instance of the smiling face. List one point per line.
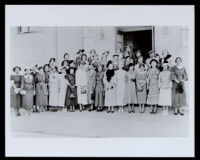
(110, 66)
(131, 68)
(17, 70)
(178, 61)
(41, 71)
(153, 64)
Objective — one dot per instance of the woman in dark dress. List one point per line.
(179, 76)
(15, 97)
(71, 95)
(41, 82)
(27, 90)
(46, 72)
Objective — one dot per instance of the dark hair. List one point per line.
(45, 66)
(62, 64)
(40, 68)
(52, 59)
(108, 63)
(154, 61)
(80, 51)
(83, 55)
(130, 65)
(178, 58)
(65, 55)
(14, 68)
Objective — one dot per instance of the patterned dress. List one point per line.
(141, 78)
(15, 99)
(28, 85)
(41, 82)
(178, 99)
(99, 89)
(153, 96)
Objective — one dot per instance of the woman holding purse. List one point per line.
(15, 96)
(179, 76)
(27, 90)
(141, 83)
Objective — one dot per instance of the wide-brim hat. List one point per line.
(80, 51)
(151, 51)
(115, 55)
(16, 67)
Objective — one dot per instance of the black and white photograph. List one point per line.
(93, 80)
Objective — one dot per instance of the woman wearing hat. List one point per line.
(151, 54)
(66, 56)
(152, 86)
(41, 81)
(99, 88)
(165, 85)
(71, 93)
(53, 88)
(179, 76)
(110, 87)
(15, 97)
(27, 90)
(91, 75)
(141, 85)
(78, 58)
(81, 83)
(120, 86)
(62, 88)
(130, 90)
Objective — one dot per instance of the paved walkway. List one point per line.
(99, 124)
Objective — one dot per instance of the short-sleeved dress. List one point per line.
(15, 99)
(141, 77)
(153, 95)
(178, 99)
(165, 85)
(71, 94)
(41, 82)
(28, 85)
(130, 91)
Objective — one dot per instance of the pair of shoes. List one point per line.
(133, 111)
(108, 111)
(175, 113)
(151, 112)
(112, 111)
(181, 113)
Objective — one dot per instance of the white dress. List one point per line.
(53, 89)
(62, 90)
(81, 83)
(120, 87)
(165, 85)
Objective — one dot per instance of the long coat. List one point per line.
(53, 89)
(90, 86)
(81, 83)
(99, 89)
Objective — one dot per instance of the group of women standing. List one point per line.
(101, 83)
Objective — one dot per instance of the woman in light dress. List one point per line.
(81, 83)
(120, 86)
(62, 88)
(130, 91)
(152, 86)
(54, 88)
(165, 85)
(110, 88)
(141, 83)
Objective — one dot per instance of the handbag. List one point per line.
(179, 88)
(83, 90)
(23, 92)
(93, 96)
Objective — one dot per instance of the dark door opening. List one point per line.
(141, 40)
